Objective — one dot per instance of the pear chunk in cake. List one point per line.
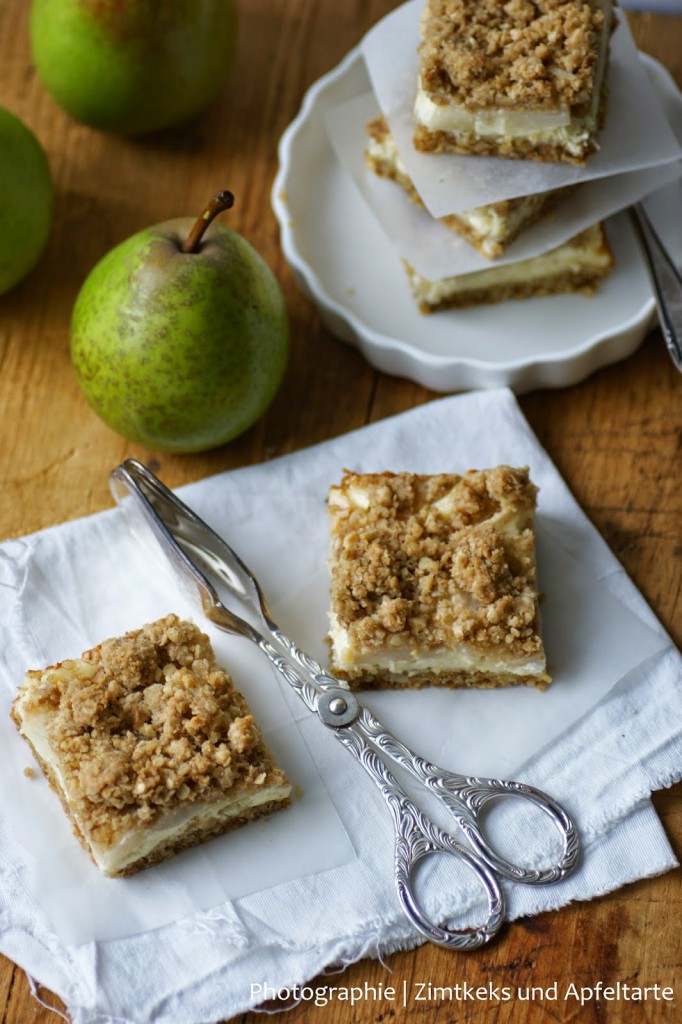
(433, 580)
(149, 746)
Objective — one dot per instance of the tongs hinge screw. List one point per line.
(337, 707)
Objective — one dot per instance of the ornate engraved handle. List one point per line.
(465, 797)
(666, 281)
(416, 838)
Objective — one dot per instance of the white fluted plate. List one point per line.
(349, 268)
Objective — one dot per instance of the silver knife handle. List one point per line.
(666, 282)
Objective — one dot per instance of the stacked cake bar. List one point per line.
(576, 266)
(490, 229)
(524, 80)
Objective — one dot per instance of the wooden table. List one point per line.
(615, 438)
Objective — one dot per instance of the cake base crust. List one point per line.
(360, 680)
(592, 261)
(560, 284)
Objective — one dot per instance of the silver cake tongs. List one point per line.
(666, 281)
(197, 555)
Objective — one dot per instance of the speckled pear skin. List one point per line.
(180, 352)
(133, 66)
(26, 200)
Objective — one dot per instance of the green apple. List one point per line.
(180, 335)
(26, 200)
(133, 66)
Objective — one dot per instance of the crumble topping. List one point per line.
(146, 722)
(535, 54)
(378, 130)
(418, 561)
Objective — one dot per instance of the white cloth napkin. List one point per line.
(203, 966)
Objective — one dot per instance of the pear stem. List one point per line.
(220, 202)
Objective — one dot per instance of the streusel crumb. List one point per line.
(532, 54)
(419, 561)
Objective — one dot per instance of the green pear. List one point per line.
(179, 335)
(26, 200)
(133, 66)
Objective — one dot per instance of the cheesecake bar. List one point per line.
(491, 228)
(433, 580)
(575, 266)
(149, 746)
(523, 79)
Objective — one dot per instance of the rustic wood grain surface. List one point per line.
(615, 438)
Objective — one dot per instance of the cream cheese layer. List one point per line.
(137, 844)
(460, 657)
